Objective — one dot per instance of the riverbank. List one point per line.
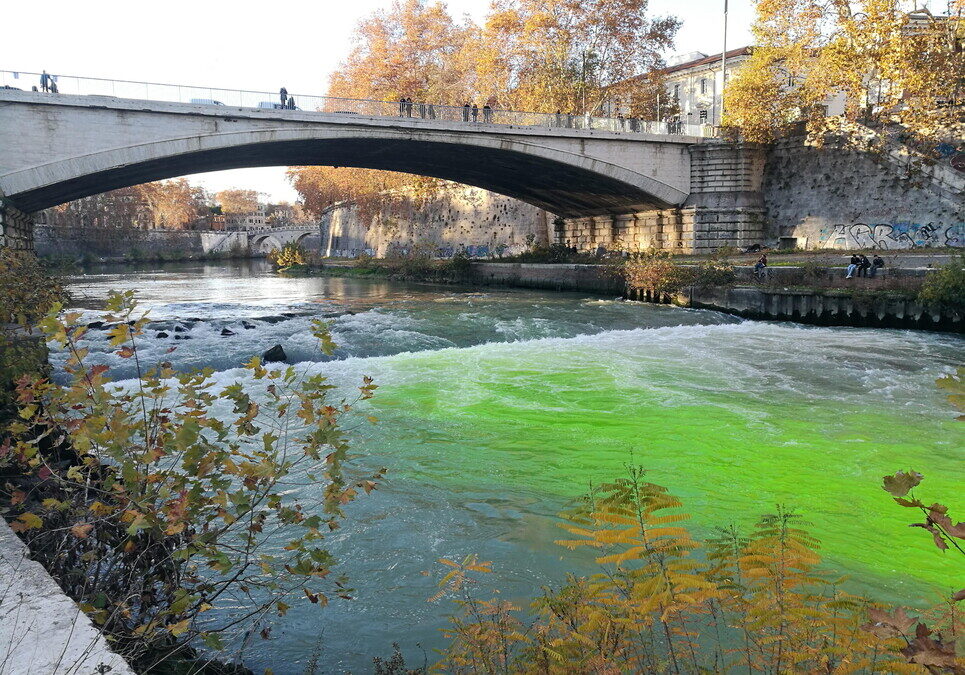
(804, 294)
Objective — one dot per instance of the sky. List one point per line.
(253, 46)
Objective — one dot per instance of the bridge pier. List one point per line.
(725, 208)
(16, 227)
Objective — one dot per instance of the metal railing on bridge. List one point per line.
(260, 100)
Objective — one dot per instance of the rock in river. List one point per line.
(276, 353)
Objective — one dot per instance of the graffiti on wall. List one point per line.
(893, 235)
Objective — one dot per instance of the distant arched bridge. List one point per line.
(266, 239)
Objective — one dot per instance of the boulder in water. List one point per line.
(160, 335)
(226, 332)
(179, 329)
(182, 337)
(96, 324)
(276, 353)
(246, 325)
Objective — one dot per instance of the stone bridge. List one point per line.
(264, 240)
(608, 186)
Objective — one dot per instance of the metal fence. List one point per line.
(236, 98)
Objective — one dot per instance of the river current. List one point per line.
(497, 407)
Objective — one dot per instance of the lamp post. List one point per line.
(723, 69)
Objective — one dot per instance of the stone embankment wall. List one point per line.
(41, 629)
(852, 193)
(118, 243)
(16, 228)
(457, 218)
(559, 277)
(825, 308)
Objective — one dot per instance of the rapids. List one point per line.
(497, 407)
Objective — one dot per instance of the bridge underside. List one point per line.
(558, 187)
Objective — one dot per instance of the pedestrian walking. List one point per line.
(465, 111)
(487, 114)
(621, 122)
(475, 112)
(876, 264)
(283, 95)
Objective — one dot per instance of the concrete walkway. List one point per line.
(42, 631)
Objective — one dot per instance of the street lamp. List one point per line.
(723, 69)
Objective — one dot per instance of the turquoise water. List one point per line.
(497, 407)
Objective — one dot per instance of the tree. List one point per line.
(122, 208)
(890, 64)
(175, 203)
(407, 51)
(237, 201)
(565, 54)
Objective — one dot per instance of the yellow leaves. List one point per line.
(179, 628)
(100, 510)
(27, 521)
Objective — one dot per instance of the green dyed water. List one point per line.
(496, 408)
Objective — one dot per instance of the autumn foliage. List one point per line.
(151, 510)
(886, 65)
(664, 602)
(534, 55)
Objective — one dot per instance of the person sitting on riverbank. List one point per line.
(876, 264)
(853, 266)
(864, 265)
(760, 266)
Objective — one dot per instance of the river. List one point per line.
(496, 407)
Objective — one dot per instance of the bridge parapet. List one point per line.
(414, 111)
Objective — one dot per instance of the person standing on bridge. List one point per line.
(408, 106)
(475, 112)
(402, 106)
(488, 114)
(283, 95)
(44, 81)
(465, 112)
(291, 102)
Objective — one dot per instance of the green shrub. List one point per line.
(27, 291)
(946, 287)
(154, 504)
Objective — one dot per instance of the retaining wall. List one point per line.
(841, 195)
(41, 629)
(824, 308)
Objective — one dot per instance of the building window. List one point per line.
(703, 85)
(703, 117)
(676, 92)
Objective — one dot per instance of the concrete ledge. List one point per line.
(42, 631)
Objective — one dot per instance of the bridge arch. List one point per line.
(264, 243)
(561, 182)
